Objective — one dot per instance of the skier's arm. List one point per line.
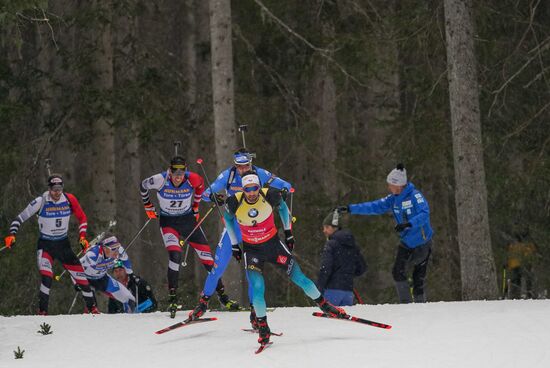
(273, 180)
(377, 207)
(197, 183)
(79, 214)
(125, 260)
(153, 182)
(325, 271)
(30, 210)
(217, 186)
(229, 216)
(273, 196)
(422, 215)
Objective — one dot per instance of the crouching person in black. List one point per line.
(140, 289)
(341, 262)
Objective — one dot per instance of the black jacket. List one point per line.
(138, 287)
(341, 261)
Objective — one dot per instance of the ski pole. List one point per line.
(4, 247)
(93, 244)
(357, 296)
(182, 242)
(292, 218)
(73, 303)
(136, 236)
(199, 161)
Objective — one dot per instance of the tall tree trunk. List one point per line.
(477, 263)
(224, 111)
(128, 165)
(103, 141)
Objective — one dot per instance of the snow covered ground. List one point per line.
(468, 334)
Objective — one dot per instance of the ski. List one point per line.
(251, 330)
(263, 347)
(355, 319)
(187, 322)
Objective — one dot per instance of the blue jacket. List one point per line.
(222, 182)
(409, 206)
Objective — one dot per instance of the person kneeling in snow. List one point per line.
(140, 289)
(100, 259)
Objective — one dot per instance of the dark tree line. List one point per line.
(334, 94)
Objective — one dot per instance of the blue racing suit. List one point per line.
(230, 182)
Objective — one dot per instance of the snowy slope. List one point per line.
(469, 334)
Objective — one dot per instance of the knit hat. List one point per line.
(332, 219)
(398, 176)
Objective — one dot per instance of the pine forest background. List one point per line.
(334, 93)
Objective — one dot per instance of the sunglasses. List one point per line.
(253, 188)
(177, 170)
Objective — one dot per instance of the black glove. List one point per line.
(400, 227)
(77, 288)
(289, 240)
(284, 194)
(342, 209)
(237, 252)
(218, 198)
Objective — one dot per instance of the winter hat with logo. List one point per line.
(332, 219)
(55, 181)
(250, 178)
(398, 176)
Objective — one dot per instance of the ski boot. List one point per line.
(229, 304)
(264, 331)
(330, 309)
(42, 313)
(92, 310)
(173, 306)
(200, 309)
(253, 319)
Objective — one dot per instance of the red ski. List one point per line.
(263, 347)
(251, 330)
(355, 319)
(187, 322)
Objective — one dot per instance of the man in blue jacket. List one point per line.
(412, 215)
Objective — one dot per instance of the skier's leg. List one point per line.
(223, 256)
(421, 257)
(256, 279)
(72, 264)
(399, 276)
(298, 277)
(171, 242)
(45, 262)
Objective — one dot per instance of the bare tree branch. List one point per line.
(324, 52)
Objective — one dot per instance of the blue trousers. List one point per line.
(339, 297)
(256, 279)
(221, 260)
